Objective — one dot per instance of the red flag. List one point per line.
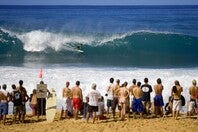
(40, 73)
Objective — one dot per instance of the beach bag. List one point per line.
(183, 100)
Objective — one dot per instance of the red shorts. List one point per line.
(77, 103)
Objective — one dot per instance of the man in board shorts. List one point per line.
(77, 99)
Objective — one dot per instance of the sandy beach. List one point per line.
(166, 124)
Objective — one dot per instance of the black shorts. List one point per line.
(109, 103)
(92, 108)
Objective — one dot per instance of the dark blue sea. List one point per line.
(123, 36)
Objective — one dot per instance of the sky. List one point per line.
(98, 2)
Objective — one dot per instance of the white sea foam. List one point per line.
(56, 77)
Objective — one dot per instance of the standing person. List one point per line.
(192, 92)
(110, 94)
(25, 98)
(41, 101)
(115, 98)
(176, 94)
(17, 102)
(33, 102)
(4, 99)
(132, 86)
(158, 99)
(101, 109)
(137, 106)
(66, 101)
(146, 97)
(123, 94)
(93, 96)
(77, 98)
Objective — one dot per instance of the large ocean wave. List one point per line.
(138, 48)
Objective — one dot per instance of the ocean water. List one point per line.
(123, 42)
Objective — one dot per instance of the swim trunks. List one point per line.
(158, 100)
(177, 104)
(3, 108)
(137, 105)
(76, 103)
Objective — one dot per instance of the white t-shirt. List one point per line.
(110, 91)
(93, 96)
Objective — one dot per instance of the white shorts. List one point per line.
(177, 104)
(191, 105)
(64, 104)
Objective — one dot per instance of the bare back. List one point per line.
(192, 91)
(66, 92)
(131, 88)
(158, 88)
(76, 92)
(177, 95)
(137, 92)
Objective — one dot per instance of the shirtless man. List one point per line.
(192, 91)
(110, 94)
(25, 98)
(4, 99)
(158, 99)
(115, 97)
(137, 105)
(76, 98)
(123, 94)
(132, 86)
(66, 98)
(176, 94)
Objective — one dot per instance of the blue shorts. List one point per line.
(137, 105)
(158, 100)
(3, 108)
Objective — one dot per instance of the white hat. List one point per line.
(93, 86)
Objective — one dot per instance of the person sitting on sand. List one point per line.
(17, 102)
(33, 102)
(176, 94)
(137, 105)
(4, 99)
(77, 98)
(169, 106)
(192, 103)
(158, 99)
(123, 94)
(66, 101)
(93, 96)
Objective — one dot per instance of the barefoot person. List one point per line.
(158, 99)
(146, 97)
(110, 94)
(123, 94)
(66, 98)
(137, 106)
(25, 98)
(93, 96)
(17, 102)
(115, 98)
(176, 94)
(33, 102)
(4, 99)
(192, 92)
(77, 98)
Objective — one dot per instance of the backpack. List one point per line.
(183, 100)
